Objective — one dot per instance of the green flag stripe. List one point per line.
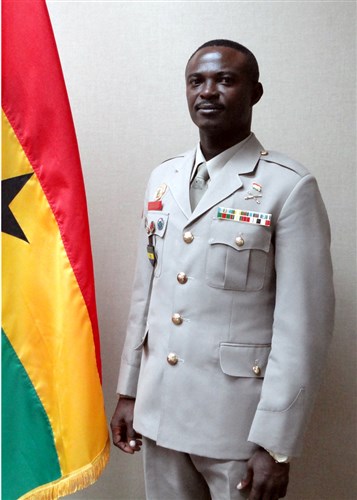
(27, 436)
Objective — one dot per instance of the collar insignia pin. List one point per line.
(255, 196)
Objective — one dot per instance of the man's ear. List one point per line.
(257, 93)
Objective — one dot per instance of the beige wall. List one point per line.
(123, 64)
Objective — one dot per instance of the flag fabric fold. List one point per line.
(54, 431)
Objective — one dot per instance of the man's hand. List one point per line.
(268, 479)
(123, 434)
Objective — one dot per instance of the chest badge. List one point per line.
(161, 190)
(255, 193)
(160, 224)
(156, 204)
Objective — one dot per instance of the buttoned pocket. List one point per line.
(156, 225)
(237, 255)
(244, 360)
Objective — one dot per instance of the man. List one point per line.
(232, 306)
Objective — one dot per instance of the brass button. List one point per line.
(239, 241)
(264, 152)
(177, 319)
(182, 278)
(188, 237)
(256, 369)
(172, 359)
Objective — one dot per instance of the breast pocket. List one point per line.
(237, 255)
(156, 224)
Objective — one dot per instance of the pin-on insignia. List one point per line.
(155, 205)
(160, 191)
(247, 216)
(150, 228)
(255, 195)
(160, 224)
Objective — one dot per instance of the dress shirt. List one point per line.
(215, 164)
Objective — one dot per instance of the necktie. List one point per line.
(198, 185)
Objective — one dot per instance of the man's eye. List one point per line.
(194, 82)
(226, 80)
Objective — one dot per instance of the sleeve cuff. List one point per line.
(279, 457)
(128, 380)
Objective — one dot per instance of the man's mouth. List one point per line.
(209, 106)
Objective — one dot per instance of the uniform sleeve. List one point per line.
(303, 321)
(136, 329)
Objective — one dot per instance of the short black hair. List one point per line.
(252, 63)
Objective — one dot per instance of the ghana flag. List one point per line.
(54, 431)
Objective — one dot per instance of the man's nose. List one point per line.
(209, 90)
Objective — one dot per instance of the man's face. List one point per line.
(220, 93)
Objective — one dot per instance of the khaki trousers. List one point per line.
(172, 475)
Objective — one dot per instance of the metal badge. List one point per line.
(255, 195)
(150, 228)
(161, 190)
(160, 224)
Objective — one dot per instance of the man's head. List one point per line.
(222, 87)
(252, 63)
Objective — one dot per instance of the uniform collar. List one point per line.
(215, 164)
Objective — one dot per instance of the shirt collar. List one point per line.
(215, 164)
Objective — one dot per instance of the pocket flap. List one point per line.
(244, 360)
(240, 236)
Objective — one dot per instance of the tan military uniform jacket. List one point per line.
(227, 335)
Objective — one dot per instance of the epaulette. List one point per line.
(173, 158)
(284, 161)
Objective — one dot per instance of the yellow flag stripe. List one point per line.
(46, 319)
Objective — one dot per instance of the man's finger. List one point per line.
(135, 442)
(125, 447)
(116, 435)
(246, 480)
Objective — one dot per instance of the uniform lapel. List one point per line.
(180, 182)
(228, 180)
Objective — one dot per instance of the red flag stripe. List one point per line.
(28, 95)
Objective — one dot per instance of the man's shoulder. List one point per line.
(170, 165)
(173, 160)
(276, 158)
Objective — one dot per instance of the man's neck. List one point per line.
(213, 145)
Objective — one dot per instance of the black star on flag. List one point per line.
(9, 189)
